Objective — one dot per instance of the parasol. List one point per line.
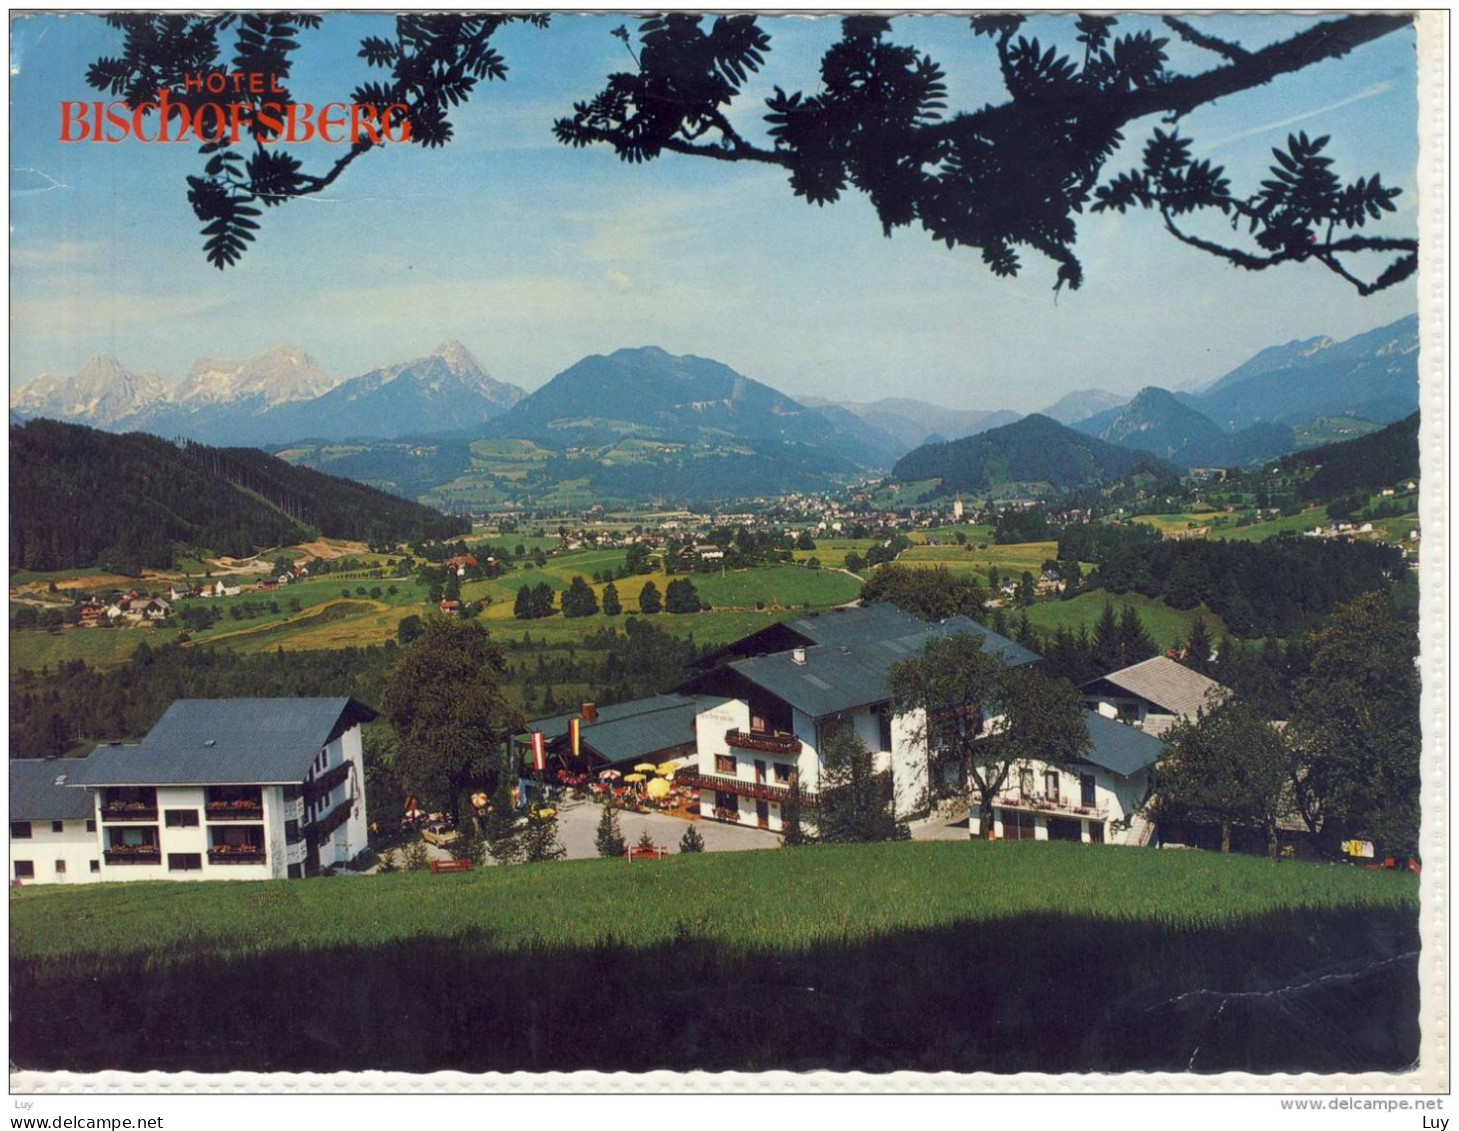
(658, 788)
(645, 768)
(609, 775)
(633, 777)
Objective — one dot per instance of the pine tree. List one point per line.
(539, 838)
(645, 839)
(1135, 643)
(522, 607)
(612, 606)
(502, 837)
(1198, 647)
(792, 832)
(649, 600)
(1107, 640)
(691, 841)
(610, 840)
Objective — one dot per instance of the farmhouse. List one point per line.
(766, 702)
(1153, 695)
(52, 827)
(246, 789)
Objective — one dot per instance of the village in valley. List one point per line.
(391, 715)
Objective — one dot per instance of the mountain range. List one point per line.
(275, 397)
(629, 409)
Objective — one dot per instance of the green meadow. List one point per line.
(951, 955)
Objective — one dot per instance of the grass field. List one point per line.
(1014, 558)
(1162, 622)
(926, 955)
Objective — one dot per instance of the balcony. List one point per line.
(133, 854)
(237, 854)
(757, 790)
(337, 816)
(1052, 807)
(327, 781)
(118, 812)
(235, 811)
(721, 814)
(764, 741)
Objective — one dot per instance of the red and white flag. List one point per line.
(539, 751)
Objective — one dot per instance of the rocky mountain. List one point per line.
(911, 423)
(1074, 407)
(657, 395)
(102, 394)
(1162, 423)
(275, 397)
(446, 391)
(1371, 376)
(275, 377)
(1034, 450)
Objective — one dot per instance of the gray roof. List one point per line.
(633, 730)
(857, 673)
(226, 742)
(1119, 748)
(1169, 685)
(859, 625)
(35, 796)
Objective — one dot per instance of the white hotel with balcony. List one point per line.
(245, 789)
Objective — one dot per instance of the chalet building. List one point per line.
(239, 789)
(1153, 695)
(52, 827)
(657, 729)
(766, 702)
(1096, 800)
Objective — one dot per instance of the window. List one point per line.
(19, 830)
(1051, 784)
(1025, 782)
(783, 772)
(724, 800)
(91, 824)
(184, 861)
(60, 867)
(884, 726)
(58, 826)
(24, 870)
(723, 764)
(96, 865)
(182, 818)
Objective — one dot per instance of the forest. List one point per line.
(81, 498)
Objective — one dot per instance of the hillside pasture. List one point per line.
(950, 956)
(1163, 623)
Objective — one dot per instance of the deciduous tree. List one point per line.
(444, 700)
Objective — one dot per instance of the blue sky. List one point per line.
(535, 255)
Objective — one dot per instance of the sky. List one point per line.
(535, 255)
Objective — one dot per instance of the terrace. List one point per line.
(238, 844)
(760, 791)
(234, 803)
(129, 803)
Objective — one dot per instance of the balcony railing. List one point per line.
(765, 742)
(1054, 807)
(128, 811)
(235, 810)
(128, 854)
(327, 781)
(236, 854)
(757, 790)
(328, 823)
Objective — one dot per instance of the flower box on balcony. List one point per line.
(765, 742)
(235, 854)
(235, 811)
(129, 811)
(133, 854)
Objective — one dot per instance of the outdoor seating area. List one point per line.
(647, 788)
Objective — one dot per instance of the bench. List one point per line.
(450, 865)
(638, 852)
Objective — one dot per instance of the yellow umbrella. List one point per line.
(645, 767)
(666, 769)
(633, 777)
(658, 788)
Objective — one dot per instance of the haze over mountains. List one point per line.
(698, 406)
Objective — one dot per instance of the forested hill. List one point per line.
(1382, 459)
(1035, 449)
(80, 497)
